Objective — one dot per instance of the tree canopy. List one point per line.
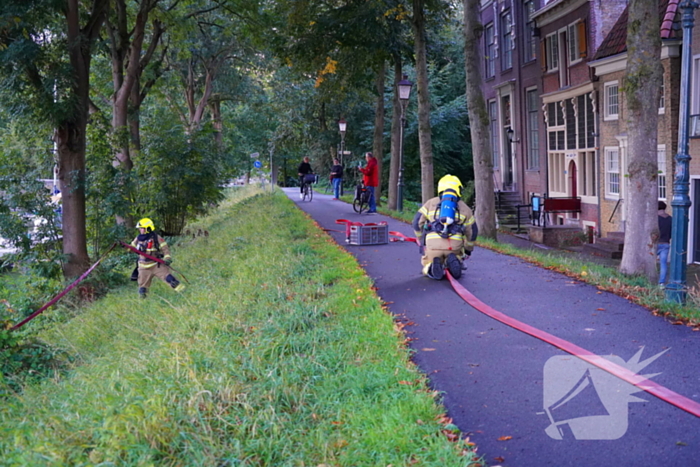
(163, 102)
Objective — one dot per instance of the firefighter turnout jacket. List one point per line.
(151, 244)
(458, 238)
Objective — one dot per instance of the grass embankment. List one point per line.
(279, 354)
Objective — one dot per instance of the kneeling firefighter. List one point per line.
(149, 242)
(445, 230)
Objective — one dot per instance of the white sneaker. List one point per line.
(301, 195)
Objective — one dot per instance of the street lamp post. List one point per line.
(676, 287)
(342, 126)
(404, 94)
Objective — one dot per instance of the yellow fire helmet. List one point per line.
(147, 224)
(449, 182)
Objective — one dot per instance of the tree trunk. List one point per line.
(424, 132)
(217, 122)
(71, 136)
(395, 136)
(485, 211)
(378, 139)
(70, 143)
(135, 118)
(642, 91)
(128, 63)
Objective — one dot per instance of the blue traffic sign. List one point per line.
(257, 164)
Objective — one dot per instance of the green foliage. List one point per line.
(179, 178)
(24, 362)
(29, 221)
(110, 191)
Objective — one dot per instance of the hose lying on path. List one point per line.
(653, 388)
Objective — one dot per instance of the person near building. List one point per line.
(304, 170)
(370, 178)
(336, 178)
(445, 230)
(149, 242)
(664, 244)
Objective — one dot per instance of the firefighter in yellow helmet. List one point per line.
(149, 242)
(445, 230)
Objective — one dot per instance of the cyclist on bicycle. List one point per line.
(304, 170)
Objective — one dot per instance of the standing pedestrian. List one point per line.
(149, 242)
(370, 179)
(336, 178)
(664, 244)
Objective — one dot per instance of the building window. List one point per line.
(586, 121)
(588, 173)
(493, 119)
(612, 103)
(574, 42)
(507, 31)
(662, 99)
(695, 88)
(570, 125)
(557, 172)
(661, 158)
(490, 51)
(556, 131)
(552, 47)
(529, 42)
(612, 172)
(533, 131)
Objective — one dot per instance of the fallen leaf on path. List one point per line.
(427, 349)
(505, 438)
(600, 309)
(499, 459)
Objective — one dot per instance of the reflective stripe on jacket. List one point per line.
(430, 212)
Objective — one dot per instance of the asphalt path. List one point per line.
(497, 381)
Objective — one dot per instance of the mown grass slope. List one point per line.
(277, 354)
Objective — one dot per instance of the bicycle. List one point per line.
(361, 201)
(307, 189)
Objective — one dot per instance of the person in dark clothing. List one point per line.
(664, 244)
(336, 178)
(304, 170)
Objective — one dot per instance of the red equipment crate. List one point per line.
(369, 234)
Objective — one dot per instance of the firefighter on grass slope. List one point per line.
(445, 230)
(149, 242)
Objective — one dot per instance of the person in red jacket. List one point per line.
(370, 179)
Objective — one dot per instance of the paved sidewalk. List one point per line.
(504, 388)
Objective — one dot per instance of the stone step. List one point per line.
(617, 235)
(603, 251)
(612, 244)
